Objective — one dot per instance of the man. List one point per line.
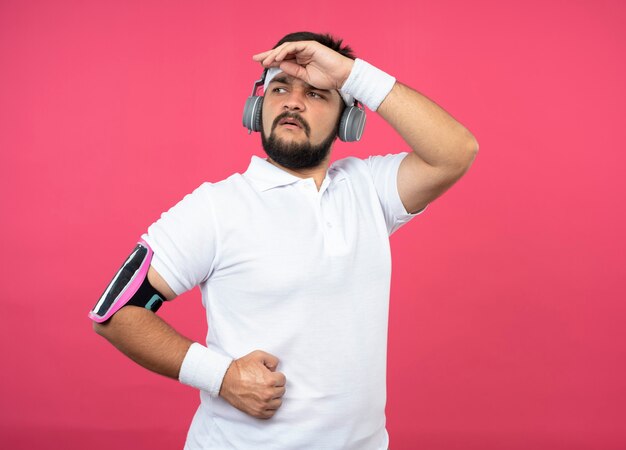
(292, 258)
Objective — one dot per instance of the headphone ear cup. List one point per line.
(351, 124)
(257, 115)
(252, 113)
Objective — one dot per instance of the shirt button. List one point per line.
(329, 225)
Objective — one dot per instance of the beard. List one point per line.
(296, 155)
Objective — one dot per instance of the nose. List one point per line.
(294, 100)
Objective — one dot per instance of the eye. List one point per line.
(279, 90)
(316, 95)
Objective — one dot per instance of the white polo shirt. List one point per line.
(301, 274)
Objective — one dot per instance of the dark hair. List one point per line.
(324, 39)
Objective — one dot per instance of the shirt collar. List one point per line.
(266, 175)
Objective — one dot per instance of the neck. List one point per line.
(318, 173)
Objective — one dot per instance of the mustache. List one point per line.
(294, 116)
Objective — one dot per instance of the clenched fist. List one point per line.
(252, 385)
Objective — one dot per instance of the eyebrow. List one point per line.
(285, 79)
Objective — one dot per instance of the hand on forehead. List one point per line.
(272, 72)
(310, 62)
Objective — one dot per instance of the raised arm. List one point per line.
(442, 149)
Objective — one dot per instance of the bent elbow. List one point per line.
(464, 157)
(99, 328)
(474, 146)
(471, 145)
(471, 150)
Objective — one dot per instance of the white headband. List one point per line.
(273, 71)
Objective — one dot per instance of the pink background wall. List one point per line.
(507, 311)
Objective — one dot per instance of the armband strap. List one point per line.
(147, 297)
(368, 84)
(130, 286)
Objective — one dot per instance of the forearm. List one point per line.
(433, 134)
(146, 339)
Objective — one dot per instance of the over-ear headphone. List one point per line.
(351, 124)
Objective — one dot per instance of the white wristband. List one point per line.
(204, 369)
(368, 84)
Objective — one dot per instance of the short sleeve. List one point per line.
(384, 172)
(184, 241)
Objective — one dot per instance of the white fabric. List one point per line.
(273, 71)
(301, 274)
(204, 369)
(368, 84)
